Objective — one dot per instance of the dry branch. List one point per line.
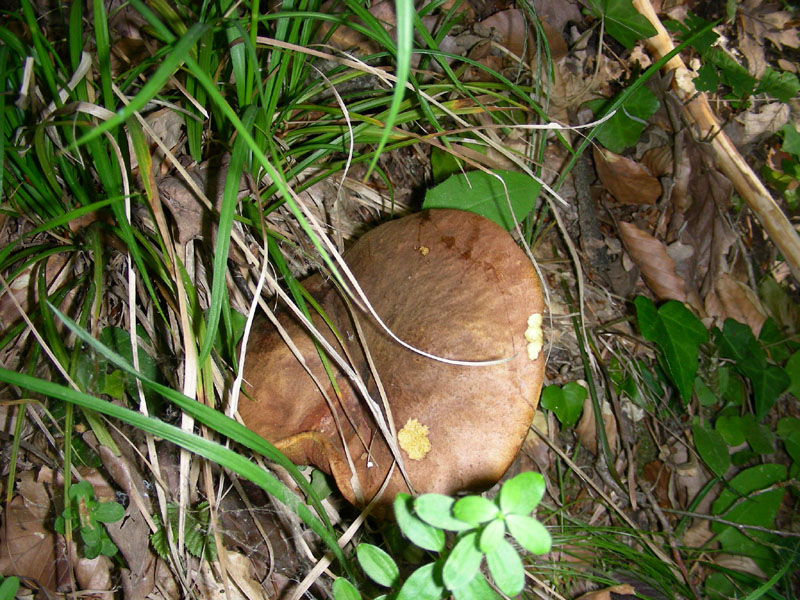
(729, 160)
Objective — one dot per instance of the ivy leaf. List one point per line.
(736, 341)
(483, 194)
(781, 85)
(789, 431)
(678, 333)
(622, 21)
(712, 449)
(628, 123)
(791, 139)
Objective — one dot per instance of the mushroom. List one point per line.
(450, 283)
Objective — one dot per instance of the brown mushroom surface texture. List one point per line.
(450, 283)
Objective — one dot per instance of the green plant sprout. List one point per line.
(198, 537)
(8, 587)
(787, 179)
(719, 67)
(87, 514)
(480, 526)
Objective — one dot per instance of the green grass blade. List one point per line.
(225, 426)
(405, 43)
(173, 60)
(194, 443)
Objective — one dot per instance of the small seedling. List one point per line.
(481, 527)
(198, 537)
(87, 515)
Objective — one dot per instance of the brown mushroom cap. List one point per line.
(450, 283)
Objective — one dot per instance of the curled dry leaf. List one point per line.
(630, 182)
(587, 429)
(737, 301)
(657, 267)
(27, 545)
(93, 574)
(610, 593)
(509, 29)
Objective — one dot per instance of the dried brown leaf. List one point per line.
(607, 593)
(657, 267)
(630, 182)
(509, 29)
(27, 546)
(739, 302)
(587, 429)
(658, 160)
(765, 20)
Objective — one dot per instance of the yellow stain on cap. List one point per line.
(534, 336)
(413, 438)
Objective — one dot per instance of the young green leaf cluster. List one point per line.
(199, 538)
(86, 514)
(480, 526)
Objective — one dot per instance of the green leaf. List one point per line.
(736, 341)
(707, 79)
(529, 533)
(622, 21)
(463, 563)
(758, 436)
(420, 533)
(475, 509)
(437, 510)
(522, 493)
(344, 590)
(424, 584)
(492, 535)
(789, 431)
(750, 498)
(793, 370)
(483, 194)
(704, 394)
(678, 333)
(712, 449)
(628, 123)
(378, 565)
(9, 587)
(742, 500)
(781, 85)
(791, 140)
(476, 589)
(108, 512)
(506, 568)
(566, 402)
(730, 428)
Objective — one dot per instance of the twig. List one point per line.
(728, 158)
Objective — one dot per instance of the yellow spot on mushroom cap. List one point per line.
(413, 438)
(534, 336)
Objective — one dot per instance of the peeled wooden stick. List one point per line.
(729, 161)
